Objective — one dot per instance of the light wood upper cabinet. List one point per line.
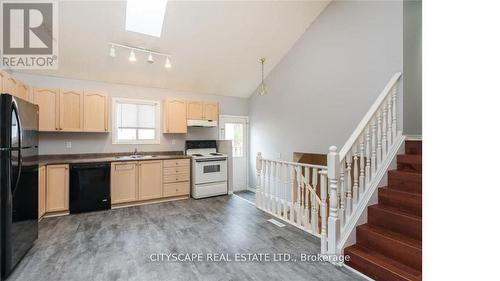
(70, 111)
(195, 110)
(9, 83)
(41, 191)
(123, 182)
(150, 180)
(48, 103)
(175, 112)
(23, 91)
(3, 78)
(57, 188)
(95, 112)
(211, 111)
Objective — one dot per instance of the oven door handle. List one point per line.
(211, 160)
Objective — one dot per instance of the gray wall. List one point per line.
(55, 143)
(412, 67)
(325, 84)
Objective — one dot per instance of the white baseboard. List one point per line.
(357, 272)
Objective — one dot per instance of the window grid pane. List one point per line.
(136, 121)
(234, 132)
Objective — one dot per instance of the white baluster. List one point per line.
(355, 187)
(312, 198)
(362, 183)
(341, 193)
(348, 159)
(323, 194)
(306, 198)
(284, 190)
(368, 156)
(384, 132)
(394, 111)
(389, 123)
(292, 194)
(277, 196)
(333, 219)
(264, 184)
(298, 210)
(374, 149)
(259, 179)
(379, 139)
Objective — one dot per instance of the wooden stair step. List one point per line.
(405, 181)
(395, 220)
(413, 147)
(410, 162)
(391, 244)
(405, 201)
(379, 267)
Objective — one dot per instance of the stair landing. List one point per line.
(389, 246)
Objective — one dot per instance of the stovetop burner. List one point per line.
(215, 154)
(197, 154)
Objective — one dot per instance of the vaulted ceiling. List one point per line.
(215, 45)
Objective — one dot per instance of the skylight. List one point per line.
(146, 17)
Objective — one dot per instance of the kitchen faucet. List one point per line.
(135, 151)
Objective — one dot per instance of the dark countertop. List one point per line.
(107, 157)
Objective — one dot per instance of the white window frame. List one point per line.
(136, 101)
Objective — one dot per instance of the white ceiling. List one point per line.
(215, 45)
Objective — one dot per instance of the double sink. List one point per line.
(136, 156)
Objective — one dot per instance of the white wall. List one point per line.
(412, 68)
(55, 143)
(325, 84)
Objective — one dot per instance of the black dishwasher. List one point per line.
(89, 187)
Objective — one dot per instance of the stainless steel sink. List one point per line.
(136, 156)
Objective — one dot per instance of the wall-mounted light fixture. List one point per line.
(132, 57)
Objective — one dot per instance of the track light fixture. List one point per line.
(132, 57)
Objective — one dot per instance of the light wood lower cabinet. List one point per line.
(150, 180)
(176, 177)
(57, 188)
(42, 198)
(123, 182)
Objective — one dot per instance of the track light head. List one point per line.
(132, 57)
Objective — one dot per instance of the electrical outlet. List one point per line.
(173, 141)
(68, 144)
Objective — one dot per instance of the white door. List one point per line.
(235, 128)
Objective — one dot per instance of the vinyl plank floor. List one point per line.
(117, 245)
(246, 194)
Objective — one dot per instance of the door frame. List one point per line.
(247, 141)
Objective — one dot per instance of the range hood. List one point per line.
(201, 123)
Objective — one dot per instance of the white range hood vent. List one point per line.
(201, 123)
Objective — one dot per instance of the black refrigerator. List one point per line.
(19, 179)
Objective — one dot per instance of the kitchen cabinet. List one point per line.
(150, 179)
(57, 188)
(195, 110)
(176, 176)
(41, 191)
(175, 116)
(48, 105)
(198, 110)
(23, 91)
(95, 111)
(70, 111)
(9, 83)
(210, 111)
(123, 182)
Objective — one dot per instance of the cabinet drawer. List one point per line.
(176, 170)
(176, 163)
(175, 177)
(176, 189)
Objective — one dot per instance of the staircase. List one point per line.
(389, 246)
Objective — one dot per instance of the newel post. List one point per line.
(333, 217)
(258, 190)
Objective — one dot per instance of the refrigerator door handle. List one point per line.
(20, 157)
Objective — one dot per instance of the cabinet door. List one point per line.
(41, 191)
(10, 85)
(175, 116)
(23, 91)
(48, 105)
(123, 182)
(195, 110)
(57, 188)
(150, 179)
(71, 110)
(3, 80)
(95, 112)
(211, 111)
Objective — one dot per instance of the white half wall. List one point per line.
(328, 80)
(55, 143)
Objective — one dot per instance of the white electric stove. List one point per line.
(209, 169)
